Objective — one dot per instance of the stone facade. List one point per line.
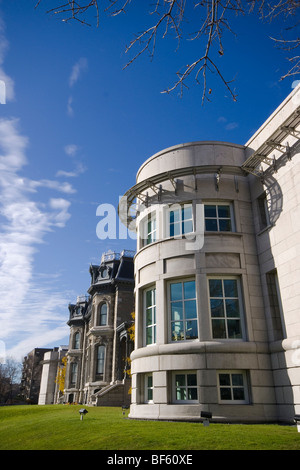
(49, 389)
(99, 345)
(217, 278)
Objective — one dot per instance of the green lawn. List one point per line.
(58, 427)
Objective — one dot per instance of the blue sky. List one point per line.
(75, 129)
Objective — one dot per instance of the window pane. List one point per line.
(177, 331)
(234, 329)
(224, 225)
(217, 307)
(176, 311)
(174, 216)
(238, 394)
(225, 393)
(149, 381)
(103, 314)
(211, 225)
(180, 380)
(150, 394)
(174, 229)
(189, 290)
(176, 291)
(187, 212)
(237, 380)
(192, 394)
(218, 327)
(149, 336)
(230, 288)
(190, 309)
(224, 379)
(149, 317)
(191, 379)
(215, 288)
(181, 394)
(210, 211)
(191, 330)
(224, 211)
(187, 226)
(232, 308)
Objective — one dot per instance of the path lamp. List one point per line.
(297, 421)
(207, 416)
(82, 412)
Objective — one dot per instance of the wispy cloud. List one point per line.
(78, 68)
(71, 149)
(72, 174)
(229, 126)
(7, 80)
(70, 110)
(28, 311)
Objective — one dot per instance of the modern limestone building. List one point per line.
(217, 277)
(49, 389)
(100, 344)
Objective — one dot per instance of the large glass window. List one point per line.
(218, 217)
(74, 369)
(103, 315)
(180, 219)
(183, 307)
(232, 387)
(225, 308)
(148, 230)
(77, 340)
(185, 387)
(100, 361)
(150, 315)
(149, 388)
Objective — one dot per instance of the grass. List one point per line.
(58, 427)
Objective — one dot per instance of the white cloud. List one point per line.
(29, 310)
(72, 174)
(8, 81)
(77, 70)
(70, 110)
(71, 150)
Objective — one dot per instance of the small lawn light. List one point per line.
(207, 416)
(124, 408)
(82, 412)
(297, 421)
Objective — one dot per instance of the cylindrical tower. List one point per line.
(201, 335)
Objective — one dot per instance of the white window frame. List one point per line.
(151, 325)
(148, 388)
(180, 207)
(231, 386)
(182, 281)
(217, 218)
(226, 317)
(146, 236)
(185, 387)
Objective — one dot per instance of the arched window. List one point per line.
(77, 340)
(100, 362)
(103, 315)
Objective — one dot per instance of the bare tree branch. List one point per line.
(169, 17)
